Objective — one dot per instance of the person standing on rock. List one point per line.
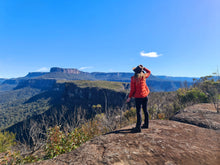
(140, 91)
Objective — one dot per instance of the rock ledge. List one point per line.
(165, 142)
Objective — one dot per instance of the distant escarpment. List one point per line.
(2, 80)
(8, 84)
(35, 74)
(43, 84)
(154, 82)
(10, 81)
(71, 102)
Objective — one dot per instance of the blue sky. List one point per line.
(183, 36)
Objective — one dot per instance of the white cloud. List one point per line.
(85, 67)
(43, 69)
(150, 54)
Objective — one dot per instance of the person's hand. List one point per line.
(128, 100)
(141, 66)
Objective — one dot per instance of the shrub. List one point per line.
(7, 140)
(130, 113)
(192, 96)
(60, 142)
(152, 111)
(161, 116)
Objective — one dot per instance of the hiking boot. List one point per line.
(144, 126)
(135, 130)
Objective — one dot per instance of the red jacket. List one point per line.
(139, 88)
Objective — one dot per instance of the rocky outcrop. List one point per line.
(203, 115)
(164, 143)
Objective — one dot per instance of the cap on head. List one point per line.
(138, 69)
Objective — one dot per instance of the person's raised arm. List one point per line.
(148, 72)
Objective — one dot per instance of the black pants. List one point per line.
(142, 102)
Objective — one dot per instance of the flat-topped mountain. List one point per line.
(63, 70)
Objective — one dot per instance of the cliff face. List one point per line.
(93, 95)
(69, 104)
(165, 143)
